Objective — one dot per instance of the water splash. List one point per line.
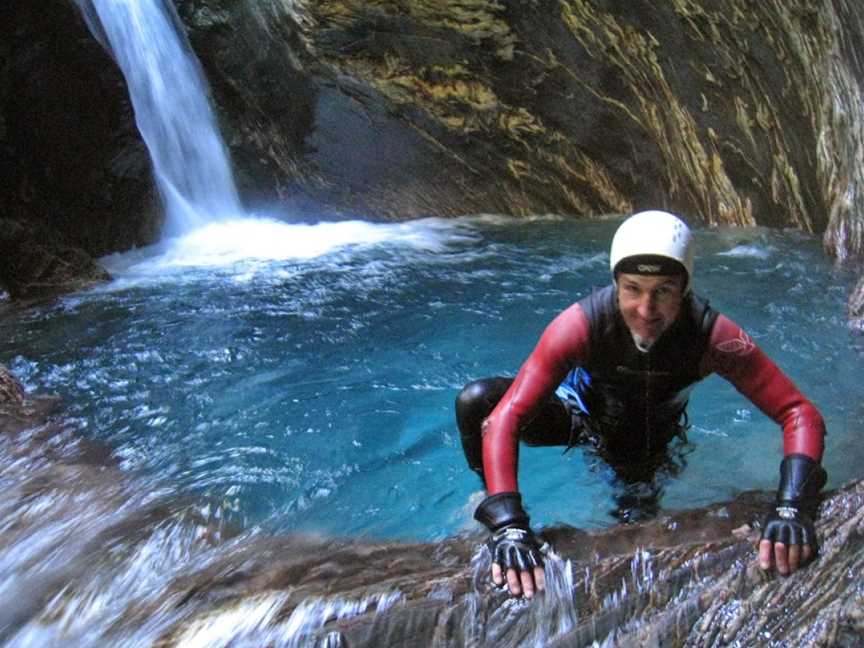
(254, 622)
(642, 570)
(745, 250)
(172, 111)
(512, 621)
(556, 613)
(243, 245)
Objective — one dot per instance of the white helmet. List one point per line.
(653, 242)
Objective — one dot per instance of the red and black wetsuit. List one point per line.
(632, 399)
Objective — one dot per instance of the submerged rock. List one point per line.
(34, 264)
(856, 306)
(97, 556)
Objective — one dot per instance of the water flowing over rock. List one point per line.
(91, 557)
(731, 112)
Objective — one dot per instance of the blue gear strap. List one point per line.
(574, 385)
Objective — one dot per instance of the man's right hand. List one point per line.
(516, 553)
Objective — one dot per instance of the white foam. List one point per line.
(753, 251)
(238, 243)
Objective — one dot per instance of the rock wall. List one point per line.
(729, 112)
(76, 176)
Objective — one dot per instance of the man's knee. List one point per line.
(471, 393)
(473, 404)
(477, 400)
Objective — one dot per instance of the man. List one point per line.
(616, 369)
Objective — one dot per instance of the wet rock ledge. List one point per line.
(78, 532)
(730, 112)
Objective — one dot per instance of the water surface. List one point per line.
(302, 377)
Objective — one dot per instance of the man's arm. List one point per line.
(563, 344)
(734, 355)
(788, 536)
(516, 553)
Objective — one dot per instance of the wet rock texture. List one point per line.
(38, 262)
(94, 556)
(730, 112)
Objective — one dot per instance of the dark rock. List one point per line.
(76, 177)
(11, 394)
(35, 264)
(856, 306)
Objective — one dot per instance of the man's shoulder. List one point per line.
(702, 313)
(599, 298)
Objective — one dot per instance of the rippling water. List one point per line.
(302, 377)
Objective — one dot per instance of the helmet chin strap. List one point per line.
(641, 343)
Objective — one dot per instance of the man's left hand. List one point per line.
(788, 540)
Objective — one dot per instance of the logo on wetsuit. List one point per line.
(644, 373)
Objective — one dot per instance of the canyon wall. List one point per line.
(728, 112)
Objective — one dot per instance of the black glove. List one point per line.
(513, 545)
(791, 522)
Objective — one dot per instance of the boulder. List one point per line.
(36, 263)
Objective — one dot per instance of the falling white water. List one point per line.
(170, 98)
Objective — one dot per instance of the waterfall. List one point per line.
(170, 98)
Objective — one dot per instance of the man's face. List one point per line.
(649, 304)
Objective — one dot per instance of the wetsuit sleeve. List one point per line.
(563, 344)
(734, 355)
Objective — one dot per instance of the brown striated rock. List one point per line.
(11, 394)
(731, 112)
